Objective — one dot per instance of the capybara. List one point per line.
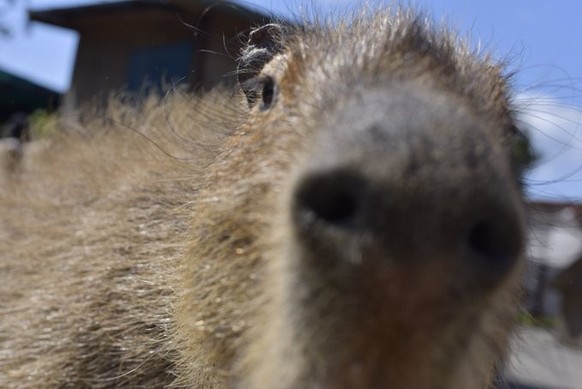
(350, 218)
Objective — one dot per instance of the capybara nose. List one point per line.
(404, 178)
(478, 235)
(336, 199)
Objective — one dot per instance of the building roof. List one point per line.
(61, 16)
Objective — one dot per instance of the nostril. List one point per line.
(494, 242)
(335, 208)
(333, 198)
(482, 240)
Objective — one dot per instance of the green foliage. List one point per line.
(527, 319)
(43, 124)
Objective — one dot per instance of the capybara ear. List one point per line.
(264, 43)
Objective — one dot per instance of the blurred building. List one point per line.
(553, 281)
(137, 44)
(569, 283)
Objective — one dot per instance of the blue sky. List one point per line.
(540, 39)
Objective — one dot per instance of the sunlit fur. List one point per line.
(91, 233)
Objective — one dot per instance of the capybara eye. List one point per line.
(268, 93)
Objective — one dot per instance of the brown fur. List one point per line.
(152, 258)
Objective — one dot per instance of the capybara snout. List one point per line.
(416, 175)
(405, 217)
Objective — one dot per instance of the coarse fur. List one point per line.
(132, 255)
(80, 227)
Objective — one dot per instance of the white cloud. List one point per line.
(555, 130)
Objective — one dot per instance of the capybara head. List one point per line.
(368, 213)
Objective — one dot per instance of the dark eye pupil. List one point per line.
(268, 93)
